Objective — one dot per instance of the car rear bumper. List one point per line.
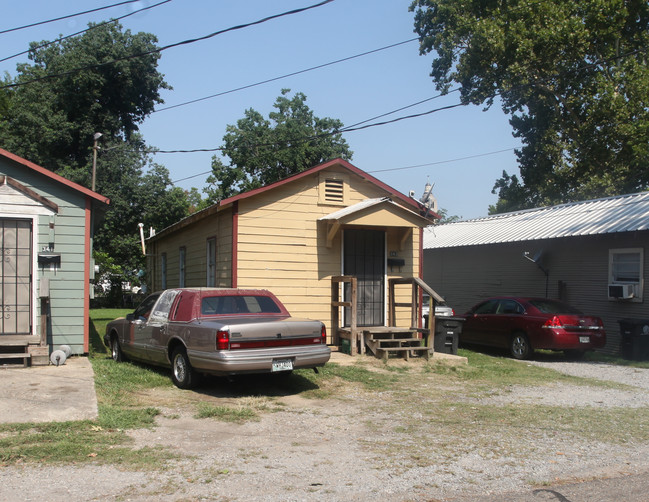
(559, 339)
(232, 362)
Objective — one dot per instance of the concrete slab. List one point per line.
(48, 393)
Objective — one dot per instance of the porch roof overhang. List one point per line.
(381, 212)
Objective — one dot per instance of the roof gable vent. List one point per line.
(333, 189)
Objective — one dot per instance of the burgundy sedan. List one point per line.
(524, 324)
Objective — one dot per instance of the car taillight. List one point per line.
(222, 340)
(323, 335)
(564, 321)
(555, 322)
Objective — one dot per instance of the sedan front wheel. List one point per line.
(520, 347)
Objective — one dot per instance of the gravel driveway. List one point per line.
(354, 448)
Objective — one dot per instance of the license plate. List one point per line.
(584, 339)
(282, 365)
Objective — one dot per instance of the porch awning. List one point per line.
(381, 212)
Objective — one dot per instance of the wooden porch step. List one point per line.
(11, 350)
(399, 342)
(404, 351)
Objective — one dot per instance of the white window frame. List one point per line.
(210, 252)
(182, 258)
(638, 285)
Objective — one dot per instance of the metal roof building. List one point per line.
(624, 213)
(590, 254)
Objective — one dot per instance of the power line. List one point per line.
(114, 20)
(274, 79)
(458, 159)
(170, 46)
(403, 168)
(351, 128)
(67, 16)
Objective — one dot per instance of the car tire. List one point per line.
(116, 350)
(519, 346)
(182, 373)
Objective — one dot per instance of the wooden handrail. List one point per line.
(352, 305)
(416, 283)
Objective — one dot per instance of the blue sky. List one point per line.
(352, 91)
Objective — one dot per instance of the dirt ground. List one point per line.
(359, 446)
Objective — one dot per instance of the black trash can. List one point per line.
(447, 333)
(635, 339)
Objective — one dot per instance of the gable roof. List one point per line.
(406, 202)
(403, 199)
(53, 176)
(623, 213)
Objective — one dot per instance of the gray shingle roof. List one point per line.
(623, 213)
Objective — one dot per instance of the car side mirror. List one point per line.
(130, 317)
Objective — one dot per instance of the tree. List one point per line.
(572, 74)
(51, 121)
(263, 151)
(445, 218)
(139, 193)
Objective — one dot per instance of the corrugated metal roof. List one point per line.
(624, 213)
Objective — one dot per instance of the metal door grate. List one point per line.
(15, 276)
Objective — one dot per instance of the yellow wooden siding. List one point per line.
(194, 239)
(282, 246)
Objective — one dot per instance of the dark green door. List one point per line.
(364, 257)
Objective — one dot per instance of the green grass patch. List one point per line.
(75, 442)
(226, 413)
(103, 440)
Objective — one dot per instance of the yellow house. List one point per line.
(304, 238)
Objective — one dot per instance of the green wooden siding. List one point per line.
(67, 282)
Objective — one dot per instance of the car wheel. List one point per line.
(520, 347)
(116, 350)
(182, 373)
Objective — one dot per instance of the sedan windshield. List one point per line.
(223, 305)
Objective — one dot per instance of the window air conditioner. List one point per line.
(620, 291)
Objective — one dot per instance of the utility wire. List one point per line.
(170, 46)
(67, 17)
(403, 168)
(114, 20)
(448, 161)
(317, 136)
(324, 65)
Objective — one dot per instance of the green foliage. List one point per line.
(52, 120)
(572, 74)
(445, 218)
(263, 151)
(139, 193)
